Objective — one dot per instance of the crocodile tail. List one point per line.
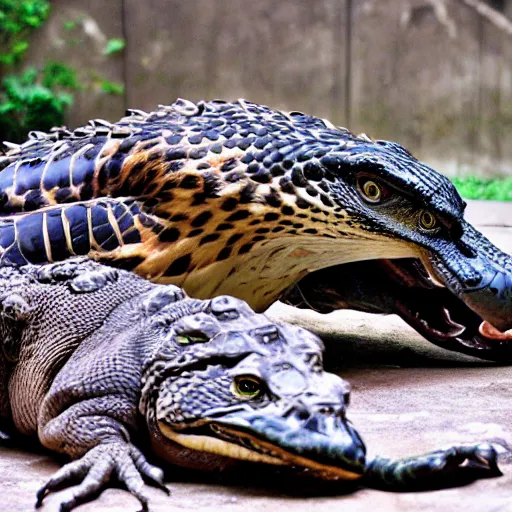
(55, 233)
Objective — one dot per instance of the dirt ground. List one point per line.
(408, 397)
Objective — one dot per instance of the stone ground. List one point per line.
(408, 397)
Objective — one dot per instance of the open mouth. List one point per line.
(439, 315)
(404, 287)
(237, 443)
(445, 320)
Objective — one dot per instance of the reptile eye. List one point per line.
(187, 339)
(247, 386)
(427, 220)
(371, 190)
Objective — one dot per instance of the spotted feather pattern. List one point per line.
(142, 152)
(193, 192)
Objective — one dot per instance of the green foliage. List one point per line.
(36, 99)
(27, 103)
(29, 99)
(17, 19)
(113, 46)
(56, 74)
(472, 187)
(111, 87)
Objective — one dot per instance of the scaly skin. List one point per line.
(208, 384)
(238, 199)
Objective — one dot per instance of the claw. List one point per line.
(156, 478)
(96, 467)
(487, 456)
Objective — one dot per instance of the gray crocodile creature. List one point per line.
(238, 199)
(205, 384)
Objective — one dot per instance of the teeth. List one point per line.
(431, 272)
(489, 331)
(457, 329)
(450, 329)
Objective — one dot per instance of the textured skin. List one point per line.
(236, 198)
(144, 364)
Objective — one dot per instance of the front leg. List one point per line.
(101, 445)
(432, 469)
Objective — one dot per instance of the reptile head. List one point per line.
(229, 384)
(458, 294)
(392, 195)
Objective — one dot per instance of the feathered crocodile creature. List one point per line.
(239, 199)
(202, 383)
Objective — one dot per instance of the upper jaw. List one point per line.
(482, 280)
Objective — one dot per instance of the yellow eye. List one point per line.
(372, 191)
(184, 339)
(427, 220)
(247, 387)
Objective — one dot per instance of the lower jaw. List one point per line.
(226, 449)
(485, 329)
(478, 338)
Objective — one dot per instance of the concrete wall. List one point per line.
(436, 75)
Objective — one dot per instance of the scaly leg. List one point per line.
(100, 444)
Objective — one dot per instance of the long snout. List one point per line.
(322, 440)
(493, 300)
(479, 274)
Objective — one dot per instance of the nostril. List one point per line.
(303, 415)
(473, 280)
(466, 250)
(456, 231)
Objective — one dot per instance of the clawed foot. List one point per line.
(95, 470)
(424, 470)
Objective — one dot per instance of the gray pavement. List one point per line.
(408, 397)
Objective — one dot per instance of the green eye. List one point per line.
(427, 220)
(248, 387)
(186, 339)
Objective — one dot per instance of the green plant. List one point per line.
(472, 187)
(17, 19)
(113, 46)
(33, 100)
(36, 99)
